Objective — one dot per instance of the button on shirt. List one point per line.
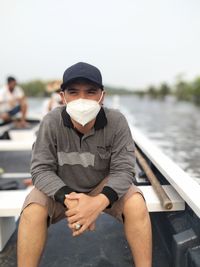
(64, 161)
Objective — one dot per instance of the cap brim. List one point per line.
(63, 85)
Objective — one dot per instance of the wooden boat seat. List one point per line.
(153, 202)
(11, 203)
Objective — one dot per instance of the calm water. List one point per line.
(173, 126)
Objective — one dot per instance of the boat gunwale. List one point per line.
(186, 186)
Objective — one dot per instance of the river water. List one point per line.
(173, 125)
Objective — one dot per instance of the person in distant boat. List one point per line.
(12, 102)
(55, 99)
(83, 163)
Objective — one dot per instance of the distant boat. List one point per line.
(10, 132)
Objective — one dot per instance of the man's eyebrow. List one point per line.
(72, 89)
(92, 88)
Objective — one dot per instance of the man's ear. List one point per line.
(63, 97)
(102, 99)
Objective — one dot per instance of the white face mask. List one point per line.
(83, 110)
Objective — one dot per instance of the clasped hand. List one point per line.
(84, 210)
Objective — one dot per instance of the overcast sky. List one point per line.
(134, 42)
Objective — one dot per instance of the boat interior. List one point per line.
(175, 233)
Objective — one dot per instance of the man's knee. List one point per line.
(34, 213)
(135, 205)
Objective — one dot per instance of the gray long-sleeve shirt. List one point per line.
(61, 158)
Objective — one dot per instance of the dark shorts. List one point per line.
(14, 111)
(56, 211)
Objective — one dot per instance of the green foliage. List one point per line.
(196, 90)
(161, 92)
(189, 91)
(183, 90)
(164, 90)
(120, 91)
(152, 91)
(34, 88)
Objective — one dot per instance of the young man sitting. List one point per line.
(83, 163)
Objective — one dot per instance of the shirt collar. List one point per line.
(100, 123)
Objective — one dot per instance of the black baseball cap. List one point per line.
(83, 71)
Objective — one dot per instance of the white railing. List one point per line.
(186, 186)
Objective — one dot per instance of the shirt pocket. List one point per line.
(130, 147)
(102, 158)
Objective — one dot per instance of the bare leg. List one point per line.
(138, 230)
(24, 110)
(24, 107)
(32, 235)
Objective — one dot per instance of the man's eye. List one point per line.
(72, 92)
(91, 92)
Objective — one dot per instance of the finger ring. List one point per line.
(77, 226)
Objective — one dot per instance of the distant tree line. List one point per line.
(182, 90)
(37, 88)
(189, 91)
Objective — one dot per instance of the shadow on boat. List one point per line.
(105, 247)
